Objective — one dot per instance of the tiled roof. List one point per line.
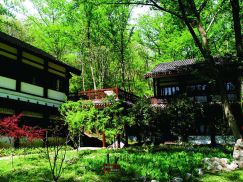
(170, 67)
(18, 43)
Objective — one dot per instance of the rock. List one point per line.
(154, 180)
(238, 153)
(177, 179)
(200, 171)
(240, 164)
(232, 166)
(188, 176)
(223, 162)
(238, 150)
(218, 168)
(219, 164)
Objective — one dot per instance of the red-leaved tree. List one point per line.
(9, 126)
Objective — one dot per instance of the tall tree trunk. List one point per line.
(122, 60)
(237, 27)
(93, 76)
(83, 81)
(213, 71)
(89, 48)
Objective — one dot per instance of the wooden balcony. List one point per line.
(100, 94)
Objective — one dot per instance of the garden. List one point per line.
(161, 163)
(62, 158)
(174, 69)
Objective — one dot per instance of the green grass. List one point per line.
(233, 176)
(137, 164)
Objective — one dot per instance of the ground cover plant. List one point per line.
(137, 164)
(4, 152)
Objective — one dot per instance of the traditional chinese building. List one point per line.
(32, 82)
(187, 77)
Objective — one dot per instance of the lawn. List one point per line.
(137, 164)
(234, 176)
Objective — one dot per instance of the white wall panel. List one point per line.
(7, 83)
(32, 89)
(52, 94)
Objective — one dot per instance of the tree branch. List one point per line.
(213, 19)
(195, 38)
(166, 10)
(152, 4)
(203, 5)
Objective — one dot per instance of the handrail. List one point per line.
(100, 94)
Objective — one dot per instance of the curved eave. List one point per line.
(163, 74)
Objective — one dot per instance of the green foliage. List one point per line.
(137, 164)
(236, 176)
(84, 115)
(142, 112)
(182, 114)
(101, 40)
(24, 151)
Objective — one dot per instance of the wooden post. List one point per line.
(103, 140)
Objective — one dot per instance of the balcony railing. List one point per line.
(100, 94)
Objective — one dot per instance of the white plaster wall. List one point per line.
(7, 83)
(32, 89)
(52, 94)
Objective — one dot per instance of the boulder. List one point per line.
(238, 152)
(232, 166)
(177, 179)
(219, 164)
(188, 176)
(200, 171)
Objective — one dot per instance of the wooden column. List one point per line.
(103, 140)
(45, 94)
(19, 65)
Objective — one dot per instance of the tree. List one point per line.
(118, 120)
(192, 14)
(57, 156)
(48, 28)
(146, 118)
(78, 116)
(83, 115)
(9, 126)
(182, 114)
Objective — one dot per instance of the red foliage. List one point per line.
(9, 126)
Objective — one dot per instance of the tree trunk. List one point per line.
(122, 60)
(212, 134)
(237, 27)
(93, 76)
(231, 119)
(16, 143)
(213, 71)
(83, 81)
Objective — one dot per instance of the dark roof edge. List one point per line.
(196, 62)
(19, 43)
